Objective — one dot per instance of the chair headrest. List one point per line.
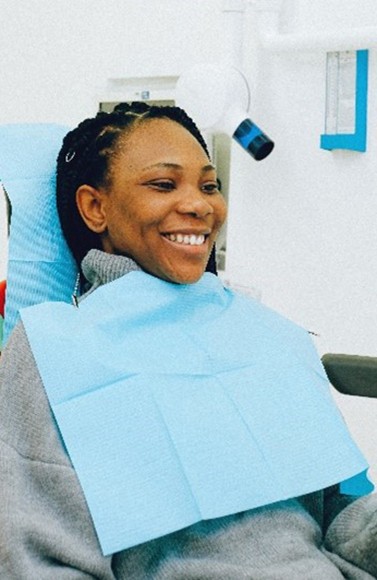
(40, 264)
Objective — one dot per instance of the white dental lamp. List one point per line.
(218, 99)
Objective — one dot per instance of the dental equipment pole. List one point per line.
(233, 12)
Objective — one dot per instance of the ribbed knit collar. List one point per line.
(101, 268)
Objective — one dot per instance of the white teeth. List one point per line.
(197, 240)
(191, 240)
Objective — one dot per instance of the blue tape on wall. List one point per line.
(356, 141)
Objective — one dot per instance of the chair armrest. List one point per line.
(352, 374)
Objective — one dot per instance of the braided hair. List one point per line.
(85, 158)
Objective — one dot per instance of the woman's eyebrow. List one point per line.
(169, 165)
(208, 167)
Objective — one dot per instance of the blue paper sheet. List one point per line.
(182, 403)
(40, 265)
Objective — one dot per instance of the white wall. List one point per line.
(57, 55)
(302, 223)
(308, 216)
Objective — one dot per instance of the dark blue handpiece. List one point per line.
(253, 140)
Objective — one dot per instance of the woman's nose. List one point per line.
(195, 203)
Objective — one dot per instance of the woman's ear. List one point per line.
(90, 203)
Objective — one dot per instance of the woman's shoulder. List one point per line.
(26, 422)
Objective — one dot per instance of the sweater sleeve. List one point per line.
(45, 527)
(352, 536)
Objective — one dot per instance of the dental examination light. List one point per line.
(218, 98)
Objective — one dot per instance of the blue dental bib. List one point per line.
(179, 403)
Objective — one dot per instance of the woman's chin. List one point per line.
(182, 275)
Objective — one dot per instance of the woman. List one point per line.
(137, 442)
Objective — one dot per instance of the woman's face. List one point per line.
(163, 207)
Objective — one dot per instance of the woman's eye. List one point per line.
(162, 185)
(212, 187)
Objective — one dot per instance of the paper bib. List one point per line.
(179, 403)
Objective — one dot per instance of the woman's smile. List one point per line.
(187, 239)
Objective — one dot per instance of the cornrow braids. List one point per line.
(85, 158)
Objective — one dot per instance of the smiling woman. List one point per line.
(161, 205)
(167, 427)
(148, 154)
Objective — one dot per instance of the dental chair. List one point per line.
(41, 267)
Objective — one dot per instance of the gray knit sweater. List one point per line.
(46, 530)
